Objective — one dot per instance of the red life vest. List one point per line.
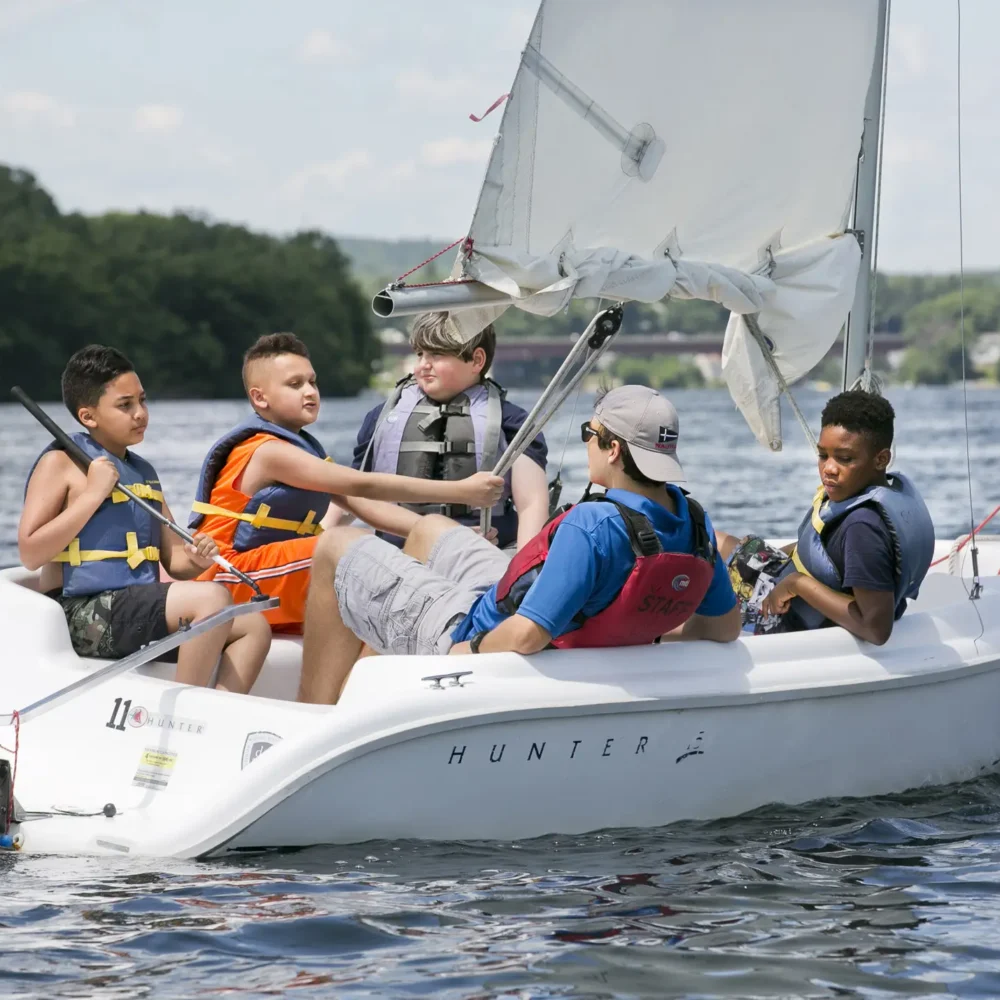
(663, 590)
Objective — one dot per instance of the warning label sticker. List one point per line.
(155, 768)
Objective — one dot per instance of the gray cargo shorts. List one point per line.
(399, 605)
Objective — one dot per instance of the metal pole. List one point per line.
(142, 656)
(590, 345)
(860, 320)
(443, 296)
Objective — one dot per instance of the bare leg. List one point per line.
(249, 641)
(726, 544)
(421, 539)
(329, 647)
(189, 602)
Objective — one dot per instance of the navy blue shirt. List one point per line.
(589, 561)
(861, 548)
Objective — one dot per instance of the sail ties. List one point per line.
(640, 148)
(496, 104)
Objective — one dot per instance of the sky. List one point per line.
(352, 115)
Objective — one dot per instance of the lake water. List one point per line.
(898, 896)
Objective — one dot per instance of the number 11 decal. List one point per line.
(114, 714)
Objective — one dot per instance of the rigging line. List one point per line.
(873, 277)
(976, 585)
(569, 428)
(783, 387)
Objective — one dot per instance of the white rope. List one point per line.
(974, 550)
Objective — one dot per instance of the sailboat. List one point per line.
(702, 150)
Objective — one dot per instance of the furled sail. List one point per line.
(702, 150)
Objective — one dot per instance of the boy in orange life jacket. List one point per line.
(110, 549)
(619, 570)
(266, 484)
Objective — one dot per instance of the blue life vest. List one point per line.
(117, 547)
(416, 436)
(905, 515)
(274, 513)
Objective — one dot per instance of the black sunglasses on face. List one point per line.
(586, 431)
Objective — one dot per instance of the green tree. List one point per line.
(183, 297)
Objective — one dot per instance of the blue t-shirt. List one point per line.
(589, 561)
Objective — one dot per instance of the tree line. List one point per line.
(183, 297)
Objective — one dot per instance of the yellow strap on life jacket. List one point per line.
(799, 564)
(261, 518)
(817, 522)
(817, 526)
(141, 490)
(135, 556)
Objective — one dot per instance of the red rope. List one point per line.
(965, 541)
(496, 104)
(16, 722)
(467, 249)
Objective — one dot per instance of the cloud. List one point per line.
(444, 152)
(421, 85)
(320, 47)
(909, 52)
(31, 106)
(331, 174)
(158, 118)
(14, 13)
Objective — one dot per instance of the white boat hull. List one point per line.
(561, 742)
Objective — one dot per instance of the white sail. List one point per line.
(701, 149)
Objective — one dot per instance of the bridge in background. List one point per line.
(514, 350)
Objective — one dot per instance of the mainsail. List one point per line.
(699, 150)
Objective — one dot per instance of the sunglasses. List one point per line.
(587, 432)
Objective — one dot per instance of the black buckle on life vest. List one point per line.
(458, 447)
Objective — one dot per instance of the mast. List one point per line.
(860, 320)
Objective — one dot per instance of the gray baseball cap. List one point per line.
(648, 423)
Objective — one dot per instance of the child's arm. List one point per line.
(868, 614)
(180, 559)
(531, 498)
(280, 462)
(45, 529)
(382, 516)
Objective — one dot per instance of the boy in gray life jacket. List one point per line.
(863, 547)
(102, 553)
(447, 420)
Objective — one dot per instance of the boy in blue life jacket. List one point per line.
(627, 567)
(447, 420)
(863, 548)
(110, 550)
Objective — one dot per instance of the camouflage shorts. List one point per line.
(115, 623)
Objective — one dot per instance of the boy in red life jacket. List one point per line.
(266, 484)
(623, 569)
